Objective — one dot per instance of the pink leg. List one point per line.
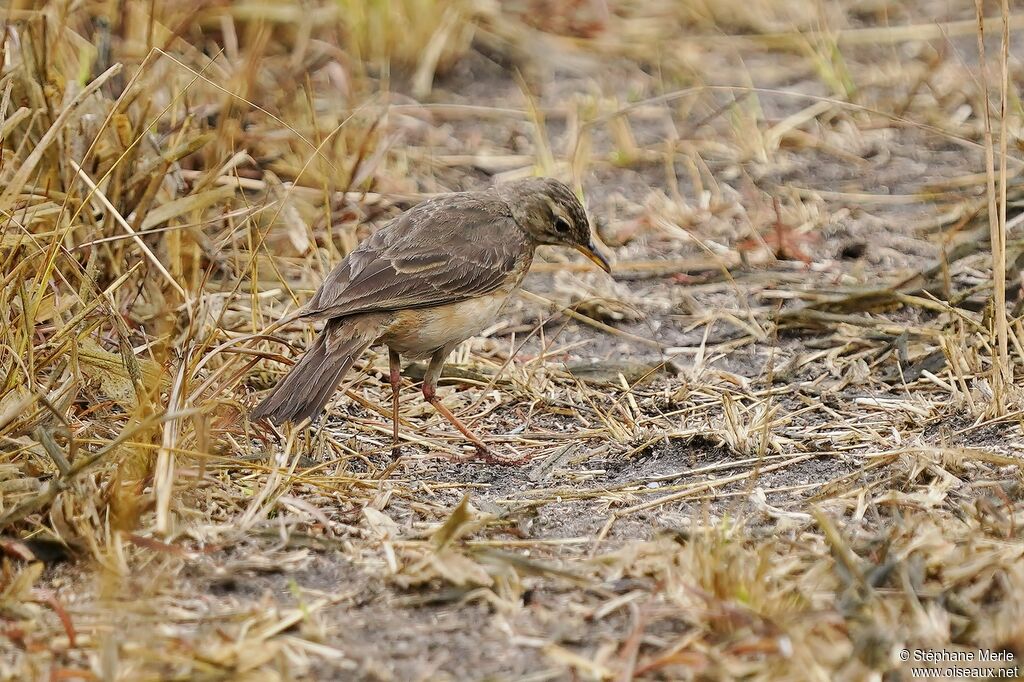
(433, 373)
(395, 366)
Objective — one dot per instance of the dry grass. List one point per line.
(797, 453)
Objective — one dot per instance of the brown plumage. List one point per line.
(427, 281)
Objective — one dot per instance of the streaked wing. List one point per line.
(438, 252)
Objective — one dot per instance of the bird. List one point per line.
(428, 280)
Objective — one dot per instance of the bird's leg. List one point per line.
(433, 373)
(317, 427)
(395, 365)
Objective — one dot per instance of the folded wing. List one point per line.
(442, 251)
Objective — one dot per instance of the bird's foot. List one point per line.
(485, 454)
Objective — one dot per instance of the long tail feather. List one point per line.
(309, 384)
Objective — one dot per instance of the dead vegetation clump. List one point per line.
(784, 444)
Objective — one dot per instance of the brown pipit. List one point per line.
(430, 279)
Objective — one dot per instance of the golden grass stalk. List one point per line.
(419, 36)
(1001, 370)
(999, 238)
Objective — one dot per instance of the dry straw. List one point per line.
(796, 453)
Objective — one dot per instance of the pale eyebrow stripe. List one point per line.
(556, 209)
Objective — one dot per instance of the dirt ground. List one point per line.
(746, 457)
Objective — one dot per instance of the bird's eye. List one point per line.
(562, 226)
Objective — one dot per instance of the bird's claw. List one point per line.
(487, 455)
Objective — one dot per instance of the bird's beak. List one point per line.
(595, 254)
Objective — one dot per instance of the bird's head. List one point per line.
(550, 213)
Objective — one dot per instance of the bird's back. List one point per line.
(441, 251)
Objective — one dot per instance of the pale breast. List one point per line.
(418, 333)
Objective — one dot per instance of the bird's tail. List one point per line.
(309, 384)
